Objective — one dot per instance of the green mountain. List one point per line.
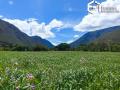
(107, 34)
(9, 34)
(113, 37)
(44, 42)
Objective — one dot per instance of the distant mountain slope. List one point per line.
(113, 36)
(44, 42)
(12, 35)
(92, 36)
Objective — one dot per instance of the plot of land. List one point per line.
(59, 71)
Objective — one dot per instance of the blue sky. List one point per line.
(44, 10)
(69, 12)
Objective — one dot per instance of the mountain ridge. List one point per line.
(11, 34)
(93, 36)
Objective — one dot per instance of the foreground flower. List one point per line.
(33, 87)
(17, 88)
(30, 76)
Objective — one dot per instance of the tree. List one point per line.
(20, 48)
(40, 48)
(63, 47)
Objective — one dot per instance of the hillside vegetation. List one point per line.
(113, 37)
(108, 34)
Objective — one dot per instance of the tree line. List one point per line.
(23, 48)
(96, 47)
(100, 47)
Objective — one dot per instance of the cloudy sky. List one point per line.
(57, 20)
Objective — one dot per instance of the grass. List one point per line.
(59, 71)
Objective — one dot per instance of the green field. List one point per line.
(59, 71)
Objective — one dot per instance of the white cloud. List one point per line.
(33, 28)
(70, 41)
(11, 2)
(76, 36)
(98, 21)
(66, 24)
(57, 42)
(1, 16)
(55, 23)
